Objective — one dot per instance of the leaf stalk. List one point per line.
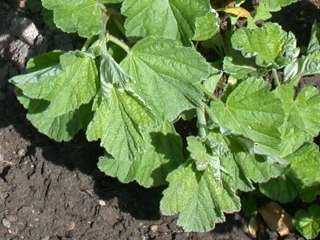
(201, 121)
(117, 41)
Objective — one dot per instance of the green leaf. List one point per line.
(302, 117)
(172, 19)
(307, 222)
(203, 189)
(199, 200)
(67, 86)
(314, 44)
(311, 64)
(206, 26)
(304, 171)
(120, 123)
(166, 75)
(269, 44)
(266, 7)
(281, 189)
(239, 70)
(61, 128)
(85, 16)
(253, 111)
(162, 154)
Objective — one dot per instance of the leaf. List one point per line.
(302, 117)
(253, 111)
(206, 26)
(307, 222)
(61, 128)
(172, 19)
(39, 86)
(85, 16)
(200, 202)
(204, 188)
(266, 7)
(120, 123)
(67, 86)
(281, 189)
(311, 64)
(166, 75)
(269, 44)
(304, 171)
(314, 44)
(162, 154)
(239, 70)
(237, 11)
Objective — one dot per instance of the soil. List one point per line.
(54, 191)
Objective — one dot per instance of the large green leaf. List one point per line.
(40, 87)
(162, 153)
(172, 19)
(253, 111)
(83, 16)
(167, 75)
(203, 189)
(269, 44)
(307, 222)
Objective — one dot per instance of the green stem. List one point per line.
(201, 121)
(87, 43)
(275, 76)
(115, 40)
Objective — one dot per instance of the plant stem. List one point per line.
(115, 40)
(275, 76)
(87, 43)
(201, 121)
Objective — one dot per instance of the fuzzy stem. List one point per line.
(115, 40)
(201, 121)
(275, 76)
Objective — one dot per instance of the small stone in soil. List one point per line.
(6, 223)
(154, 228)
(102, 203)
(22, 152)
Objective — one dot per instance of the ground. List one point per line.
(53, 191)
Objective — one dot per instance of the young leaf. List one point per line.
(307, 222)
(269, 44)
(166, 75)
(162, 153)
(204, 188)
(85, 17)
(172, 19)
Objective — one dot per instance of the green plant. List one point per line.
(140, 71)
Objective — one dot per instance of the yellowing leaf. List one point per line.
(237, 11)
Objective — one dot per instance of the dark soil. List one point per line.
(53, 191)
